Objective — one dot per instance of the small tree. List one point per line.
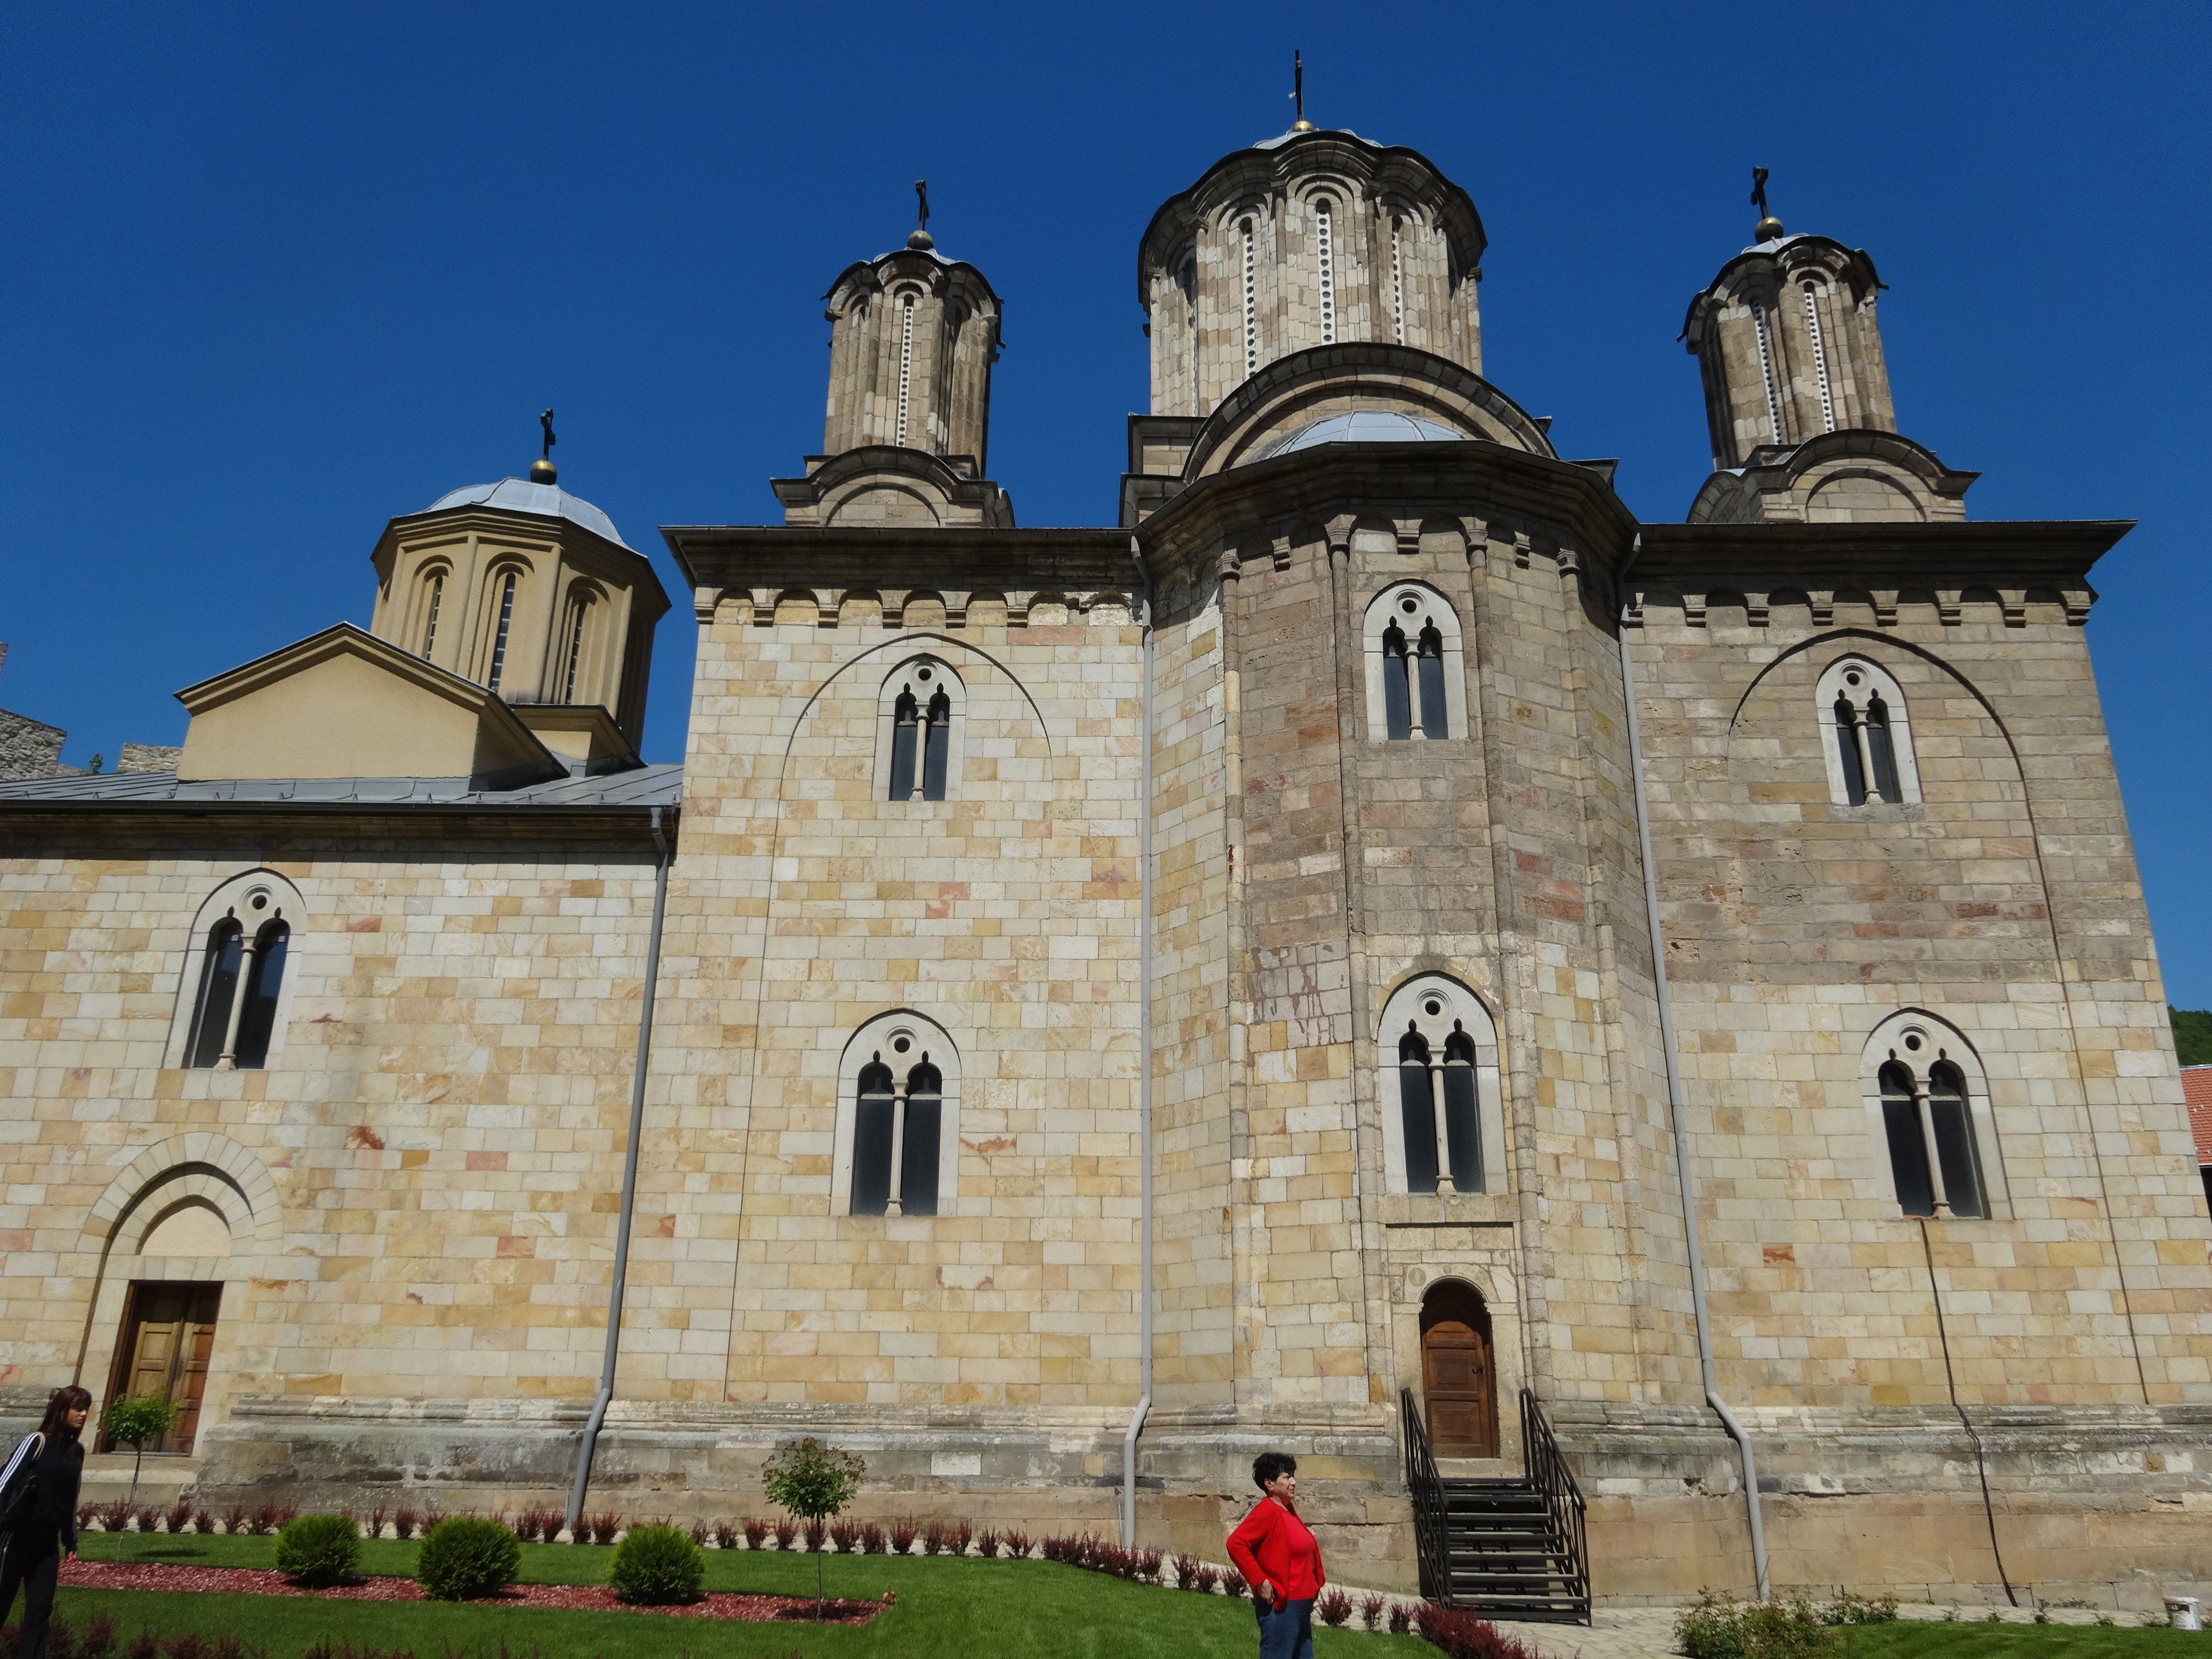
(136, 1418)
(815, 1483)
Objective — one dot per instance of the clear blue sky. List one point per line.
(274, 274)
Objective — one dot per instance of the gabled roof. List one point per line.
(2197, 1089)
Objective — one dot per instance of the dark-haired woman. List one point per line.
(40, 1525)
(1278, 1555)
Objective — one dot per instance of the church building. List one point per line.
(1638, 1038)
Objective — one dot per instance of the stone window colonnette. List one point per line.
(1928, 1108)
(235, 988)
(1443, 1119)
(921, 713)
(1867, 736)
(1416, 674)
(898, 1121)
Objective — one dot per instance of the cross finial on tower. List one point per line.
(1770, 227)
(1298, 91)
(921, 237)
(542, 470)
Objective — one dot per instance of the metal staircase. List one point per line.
(1505, 1549)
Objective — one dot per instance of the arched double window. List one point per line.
(1416, 686)
(240, 959)
(898, 1120)
(918, 732)
(1443, 1124)
(1867, 735)
(1934, 1111)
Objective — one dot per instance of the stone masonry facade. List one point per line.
(1379, 697)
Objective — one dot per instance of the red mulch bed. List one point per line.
(596, 1598)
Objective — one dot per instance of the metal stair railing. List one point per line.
(1432, 1545)
(1554, 1482)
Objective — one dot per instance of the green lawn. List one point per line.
(947, 1609)
(1910, 1638)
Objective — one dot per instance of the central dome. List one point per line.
(1364, 426)
(547, 500)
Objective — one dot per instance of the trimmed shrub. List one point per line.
(604, 1529)
(987, 1543)
(465, 1559)
(756, 1531)
(1018, 1543)
(725, 1535)
(1719, 1627)
(846, 1535)
(786, 1530)
(1464, 1635)
(656, 1566)
(872, 1541)
(902, 1531)
(406, 1524)
(1401, 1618)
(179, 1516)
(1849, 1609)
(1371, 1611)
(1333, 1608)
(318, 1550)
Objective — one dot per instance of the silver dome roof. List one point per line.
(547, 500)
(1364, 426)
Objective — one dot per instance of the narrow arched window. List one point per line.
(1952, 1128)
(1325, 254)
(921, 715)
(915, 1185)
(265, 978)
(1908, 1143)
(1397, 695)
(1414, 673)
(1418, 1104)
(583, 610)
(241, 979)
(905, 718)
(226, 950)
(1397, 287)
(1251, 299)
(437, 602)
(937, 746)
(1462, 1120)
(871, 1140)
(1882, 751)
(1868, 735)
(1435, 723)
(905, 364)
(1820, 358)
(499, 638)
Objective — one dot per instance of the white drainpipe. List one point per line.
(1736, 1430)
(1144, 1077)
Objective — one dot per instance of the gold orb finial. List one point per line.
(542, 470)
(1769, 230)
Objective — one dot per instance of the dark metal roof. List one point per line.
(641, 787)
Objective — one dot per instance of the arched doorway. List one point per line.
(1459, 1372)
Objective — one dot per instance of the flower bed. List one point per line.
(166, 1575)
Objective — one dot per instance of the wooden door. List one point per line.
(1459, 1382)
(168, 1336)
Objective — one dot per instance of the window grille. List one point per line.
(1251, 304)
(1327, 253)
(1760, 327)
(430, 628)
(506, 622)
(1397, 288)
(1820, 358)
(583, 605)
(906, 363)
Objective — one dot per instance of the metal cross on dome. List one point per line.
(546, 422)
(921, 194)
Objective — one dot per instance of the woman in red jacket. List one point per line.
(1278, 1555)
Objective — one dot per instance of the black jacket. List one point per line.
(45, 1510)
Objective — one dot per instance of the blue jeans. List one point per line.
(1286, 1629)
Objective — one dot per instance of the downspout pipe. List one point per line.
(1143, 1073)
(1736, 1430)
(666, 853)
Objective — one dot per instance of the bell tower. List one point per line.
(913, 338)
(1789, 350)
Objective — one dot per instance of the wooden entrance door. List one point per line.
(1459, 1381)
(168, 1335)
